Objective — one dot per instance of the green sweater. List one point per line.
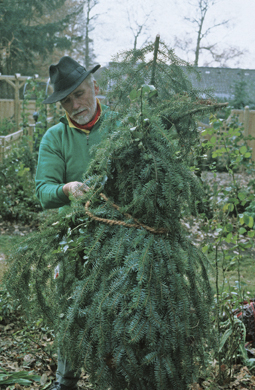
(63, 157)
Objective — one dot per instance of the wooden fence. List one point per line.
(10, 108)
(247, 118)
(7, 110)
(8, 141)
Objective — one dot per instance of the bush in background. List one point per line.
(18, 201)
(7, 126)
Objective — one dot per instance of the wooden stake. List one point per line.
(155, 60)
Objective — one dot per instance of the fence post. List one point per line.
(30, 134)
(246, 120)
(249, 128)
(2, 148)
(16, 102)
(19, 81)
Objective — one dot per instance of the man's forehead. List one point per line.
(83, 85)
(80, 87)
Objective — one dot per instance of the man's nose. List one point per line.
(75, 104)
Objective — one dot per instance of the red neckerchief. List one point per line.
(88, 126)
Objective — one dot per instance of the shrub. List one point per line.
(17, 195)
(227, 147)
(6, 126)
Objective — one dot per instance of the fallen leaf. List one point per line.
(43, 379)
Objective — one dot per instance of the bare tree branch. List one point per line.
(201, 9)
(139, 27)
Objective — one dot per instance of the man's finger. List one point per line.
(79, 190)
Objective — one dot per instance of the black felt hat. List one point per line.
(65, 77)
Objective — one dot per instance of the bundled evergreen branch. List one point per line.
(131, 304)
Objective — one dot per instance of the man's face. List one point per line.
(81, 104)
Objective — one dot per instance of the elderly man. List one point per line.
(64, 150)
(64, 154)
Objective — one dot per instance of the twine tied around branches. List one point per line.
(136, 225)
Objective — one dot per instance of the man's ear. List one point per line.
(96, 88)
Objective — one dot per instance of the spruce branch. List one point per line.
(209, 107)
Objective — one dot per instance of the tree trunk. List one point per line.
(199, 37)
(87, 36)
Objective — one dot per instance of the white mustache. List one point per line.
(79, 110)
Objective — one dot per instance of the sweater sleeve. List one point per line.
(50, 174)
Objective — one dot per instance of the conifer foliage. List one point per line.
(132, 298)
(29, 28)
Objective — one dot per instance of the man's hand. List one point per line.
(75, 188)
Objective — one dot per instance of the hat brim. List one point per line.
(59, 95)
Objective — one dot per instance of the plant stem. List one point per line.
(217, 308)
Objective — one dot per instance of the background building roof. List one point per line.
(222, 81)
